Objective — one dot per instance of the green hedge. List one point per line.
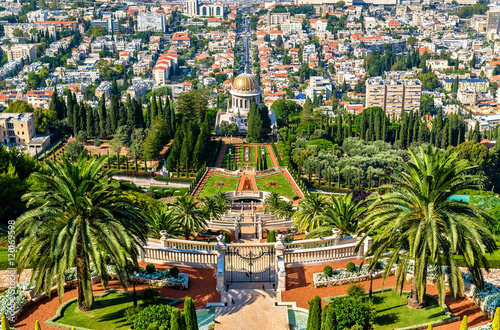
(277, 154)
(136, 174)
(172, 179)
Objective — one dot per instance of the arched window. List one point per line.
(218, 11)
(205, 11)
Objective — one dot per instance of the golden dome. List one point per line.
(246, 82)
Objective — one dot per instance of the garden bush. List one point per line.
(271, 237)
(175, 322)
(150, 268)
(174, 271)
(314, 316)
(327, 270)
(356, 291)
(131, 313)
(351, 267)
(227, 237)
(159, 314)
(150, 296)
(348, 313)
(496, 320)
(190, 314)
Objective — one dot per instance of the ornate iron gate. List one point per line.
(251, 265)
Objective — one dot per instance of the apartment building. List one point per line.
(17, 52)
(277, 18)
(195, 9)
(17, 128)
(39, 99)
(151, 22)
(103, 89)
(29, 28)
(393, 96)
(479, 84)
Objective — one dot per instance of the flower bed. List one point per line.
(342, 276)
(14, 301)
(158, 278)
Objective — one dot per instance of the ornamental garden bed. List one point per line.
(215, 184)
(109, 312)
(277, 183)
(153, 277)
(342, 276)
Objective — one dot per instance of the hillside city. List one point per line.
(306, 165)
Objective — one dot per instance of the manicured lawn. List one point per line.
(392, 311)
(241, 157)
(210, 188)
(283, 187)
(269, 162)
(109, 312)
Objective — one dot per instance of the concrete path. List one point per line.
(252, 309)
(146, 182)
(221, 155)
(272, 155)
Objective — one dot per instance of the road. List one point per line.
(245, 38)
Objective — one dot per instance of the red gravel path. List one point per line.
(202, 283)
(300, 289)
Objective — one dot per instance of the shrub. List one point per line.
(351, 267)
(150, 268)
(159, 314)
(430, 326)
(271, 237)
(150, 296)
(190, 314)
(37, 325)
(175, 322)
(97, 143)
(314, 317)
(174, 271)
(327, 270)
(153, 326)
(356, 291)
(328, 318)
(227, 237)
(351, 312)
(464, 325)
(131, 313)
(5, 323)
(496, 320)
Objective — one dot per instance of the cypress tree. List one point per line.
(97, 122)
(139, 115)
(113, 114)
(154, 108)
(160, 108)
(174, 157)
(131, 113)
(82, 121)
(176, 319)
(168, 118)
(69, 108)
(148, 115)
(255, 124)
(76, 117)
(172, 119)
(103, 131)
(90, 122)
(54, 105)
(314, 317)
(339, 129)
(190, 314)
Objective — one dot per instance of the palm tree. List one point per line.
(271, 202)
(420, 220)
(222, 199)
(188, 215)
(80, 215)
(161, 219)
(344, 214)
(212, 208)
(308, 216)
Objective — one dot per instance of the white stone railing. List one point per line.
(223, 170)
(197, 258)
(181, 244)
(319, 255)
(273, 225)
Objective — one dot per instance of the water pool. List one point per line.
(459, 198)
(205, 319)
(297, 319)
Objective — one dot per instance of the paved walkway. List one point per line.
(252, 309)
(221, 155)
(146, 183)
(272, 155)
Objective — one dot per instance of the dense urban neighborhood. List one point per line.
(306, 165)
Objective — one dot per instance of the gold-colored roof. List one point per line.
(245, 82)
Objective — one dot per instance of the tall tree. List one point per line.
(419, 218)
(79, 209)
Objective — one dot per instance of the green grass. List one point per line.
(241, 161)
(109, 312)
(210, 189)
(284, 187)
(269, 162)
(392, 312)
(225, 159)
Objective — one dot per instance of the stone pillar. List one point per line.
(142, 254)
(164, 238)
(260, 228)
(280, 263)
(336, 237)
(221, 255)
(361, 251)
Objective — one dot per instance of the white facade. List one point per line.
(151, 22)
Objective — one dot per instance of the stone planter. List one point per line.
(179, 285)
(318, 283)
